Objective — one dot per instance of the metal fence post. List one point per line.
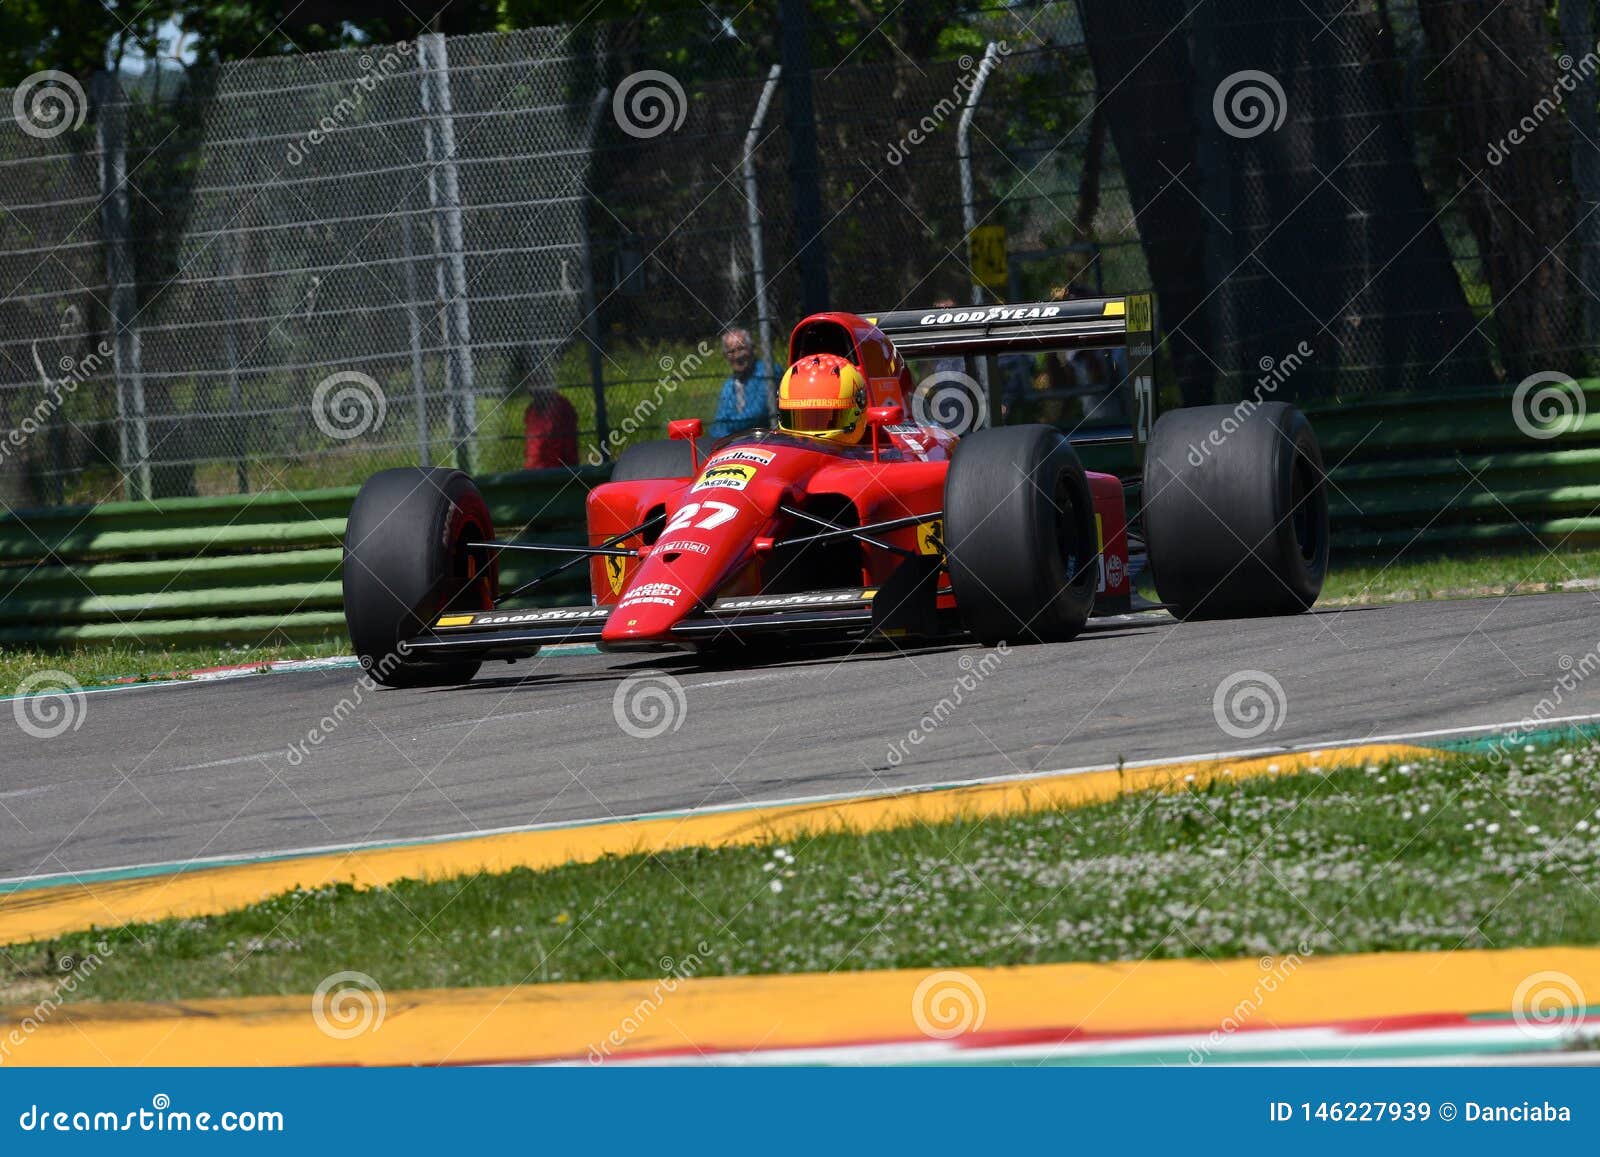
(133, 433)
(752, 199)
(992, 382)
(591, 308)
(237, 430)
(969, 195)
(445, 195)
(419, 379)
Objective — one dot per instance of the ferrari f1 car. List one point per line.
(901, 528)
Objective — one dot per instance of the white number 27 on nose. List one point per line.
(717, 514)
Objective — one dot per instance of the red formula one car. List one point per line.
(903, 529)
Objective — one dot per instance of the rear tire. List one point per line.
(649, 460)
(1236, 512)
(1020, 535)
(406, 562)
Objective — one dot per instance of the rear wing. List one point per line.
(1083, 323)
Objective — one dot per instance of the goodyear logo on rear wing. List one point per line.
(524, 618)
(730, 476)
(994, 313)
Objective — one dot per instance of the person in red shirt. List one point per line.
(550, 431)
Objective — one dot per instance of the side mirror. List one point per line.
(890, 415)
(687, 430)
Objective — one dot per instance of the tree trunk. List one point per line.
(1517, 205)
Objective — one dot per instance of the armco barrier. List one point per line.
(1408, 473)
(1458, 470)
(234, 569)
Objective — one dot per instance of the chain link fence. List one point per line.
(290, 272)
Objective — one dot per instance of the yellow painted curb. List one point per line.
(41, 913)
(737, 1014)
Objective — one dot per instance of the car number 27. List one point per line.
(716, 513)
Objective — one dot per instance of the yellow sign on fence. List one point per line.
(986, 249)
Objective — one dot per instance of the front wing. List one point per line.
(518, 633)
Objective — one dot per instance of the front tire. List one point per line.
(1020, 535)
(1236, 512)
(406, 561)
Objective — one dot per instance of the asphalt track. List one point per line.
(169, 773)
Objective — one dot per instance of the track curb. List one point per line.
(1412, 1005)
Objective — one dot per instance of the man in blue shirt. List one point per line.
(746, 398)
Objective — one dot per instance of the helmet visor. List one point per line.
(813, 420)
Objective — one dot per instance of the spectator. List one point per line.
(746, 399)
(550, 431)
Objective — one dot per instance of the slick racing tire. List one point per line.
(1020, 536)
(1236, 512)
(406, 561)
(649, 460)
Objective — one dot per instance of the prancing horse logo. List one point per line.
(616, 571)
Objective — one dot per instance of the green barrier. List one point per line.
(1457, 472)
(241, 569)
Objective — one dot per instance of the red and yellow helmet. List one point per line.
(823, 396)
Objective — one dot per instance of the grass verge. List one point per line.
(108, 663)
(1457, 851)
(1408, 579)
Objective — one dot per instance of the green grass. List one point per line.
(1425, 577)
(109, 662)
(1438, 854)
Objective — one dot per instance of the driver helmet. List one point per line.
(823, 396)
